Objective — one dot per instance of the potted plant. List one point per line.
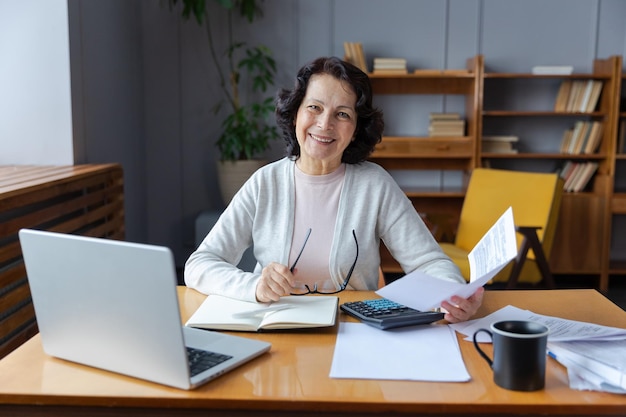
(246, 132)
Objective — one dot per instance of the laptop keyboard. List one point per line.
(201, 360)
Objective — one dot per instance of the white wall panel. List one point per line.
(35, 95)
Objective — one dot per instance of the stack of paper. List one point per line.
(593, 354)
(601, 364)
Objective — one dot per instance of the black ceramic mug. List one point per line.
(519, 354)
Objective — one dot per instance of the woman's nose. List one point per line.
(324, 121)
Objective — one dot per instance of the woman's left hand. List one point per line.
(460, 309)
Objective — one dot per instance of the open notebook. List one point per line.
(291, 312)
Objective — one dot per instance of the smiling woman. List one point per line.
(326, 194)
(325, 124)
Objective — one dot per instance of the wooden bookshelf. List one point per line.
(420, 152)
(524, 105)
(617, 203)
(583, 231)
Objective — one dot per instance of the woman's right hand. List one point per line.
(276, 281)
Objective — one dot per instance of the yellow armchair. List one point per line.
(535, 198)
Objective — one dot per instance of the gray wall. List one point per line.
(143, 87)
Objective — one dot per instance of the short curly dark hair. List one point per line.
(370, 123)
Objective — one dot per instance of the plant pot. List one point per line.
(232, 175)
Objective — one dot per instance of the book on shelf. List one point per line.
(446, 124)
(577, 175)
(578, 96)
(582, 179)
(566, 140)
(562, 96)
(552, 70)
(579, 140)
(291, 312)
(390, 71)
(501, 138)
(389, 62)
(583, 138)
(594, 138)
(499, 144)
(574, 93)
(444, 116)
(566, 171)
(594, 96)
(390, 66)
(577, 178)
(354, 54)
(445, 132)
(605, 359)
(573, 137)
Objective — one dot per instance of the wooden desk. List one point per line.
(292, 379)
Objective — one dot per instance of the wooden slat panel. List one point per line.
(17, 316)
(10, 251)
(11, 274)
(55, 211)
(17, 198)
(83, 199)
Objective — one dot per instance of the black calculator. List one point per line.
(386, 314)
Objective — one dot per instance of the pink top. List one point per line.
(317, 203)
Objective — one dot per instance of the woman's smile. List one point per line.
(325, 124)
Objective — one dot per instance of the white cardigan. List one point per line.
(262, 212)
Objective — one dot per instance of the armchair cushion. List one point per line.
(535, 199)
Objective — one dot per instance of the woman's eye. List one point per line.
(344, 115)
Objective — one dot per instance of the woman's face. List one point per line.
(325, 124)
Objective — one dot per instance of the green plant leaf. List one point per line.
(246, 131)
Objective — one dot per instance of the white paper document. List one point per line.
(417, 353)
(561, 330)
(608, 343)
(492, 253)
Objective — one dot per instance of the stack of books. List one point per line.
(353, 53)
(576, 96)
(499, 144)
(446, 124)
(390, 66)
(576, 175)
(583, 138)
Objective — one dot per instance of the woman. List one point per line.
(316, 217)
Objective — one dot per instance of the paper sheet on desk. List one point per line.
(492, 253)
(561, 330)
(417, 353)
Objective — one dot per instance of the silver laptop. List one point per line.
(113, 305)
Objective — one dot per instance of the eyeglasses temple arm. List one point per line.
(306, 239)
(345, 283)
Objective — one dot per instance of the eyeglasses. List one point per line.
(328, 286)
